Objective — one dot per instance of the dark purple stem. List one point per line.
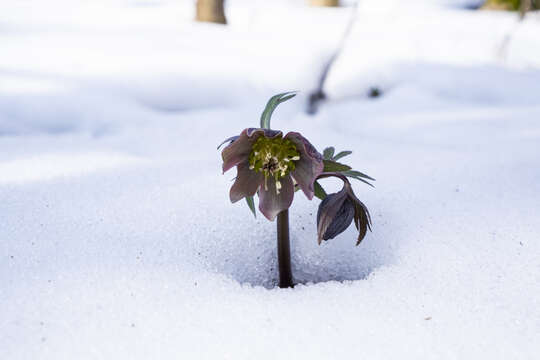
(342, 177)
(334, 174)
(284, 250)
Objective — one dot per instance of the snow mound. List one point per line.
(50, 166)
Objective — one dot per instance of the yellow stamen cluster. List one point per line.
(274, 158)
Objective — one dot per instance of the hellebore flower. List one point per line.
(271, 164)
(337, 211)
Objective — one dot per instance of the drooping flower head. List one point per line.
(271, 165)
(337, 211)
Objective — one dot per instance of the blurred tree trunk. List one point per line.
(211, 11)
(324, 2)
(525, 6)
(528, 5)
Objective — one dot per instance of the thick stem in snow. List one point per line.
(284, 250)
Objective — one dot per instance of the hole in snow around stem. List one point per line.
(245, 250)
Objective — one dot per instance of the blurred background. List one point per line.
(185, 54)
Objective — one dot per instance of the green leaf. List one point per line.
(342, 154)
(251, 204)
(332, 166)
(328, 153)
(359, 174)
(271, 106)
(319, 191)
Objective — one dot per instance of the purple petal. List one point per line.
(246, 184)
(239, 150)
(309, 166)
(267, 132)
(228, 140)
(271, 203)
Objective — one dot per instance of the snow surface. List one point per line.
(117, 237)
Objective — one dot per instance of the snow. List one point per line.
(117, 237)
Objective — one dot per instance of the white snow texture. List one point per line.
(117, 237)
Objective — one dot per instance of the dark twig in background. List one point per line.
(318, 95)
